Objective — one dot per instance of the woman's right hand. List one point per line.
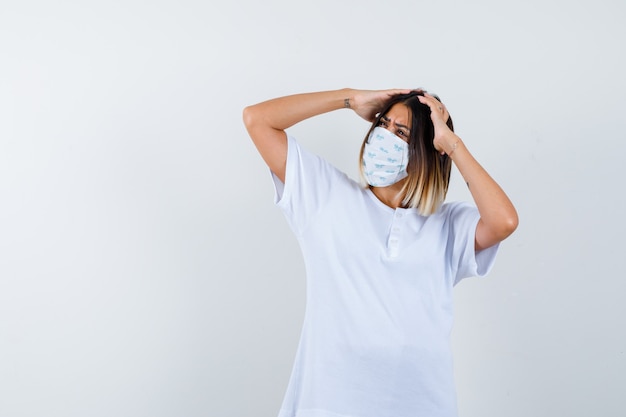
(368, 103)
(266, 121)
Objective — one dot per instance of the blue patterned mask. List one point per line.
(385, 158)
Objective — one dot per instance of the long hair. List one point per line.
(428, 171)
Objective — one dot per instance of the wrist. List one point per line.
(348, 98)
(450, 145)
(453, 147)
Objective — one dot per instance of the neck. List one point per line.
(391, 195)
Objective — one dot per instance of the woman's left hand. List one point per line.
(498, 217)
(445, 139)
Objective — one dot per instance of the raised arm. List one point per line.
(266, 122)
(498, 217)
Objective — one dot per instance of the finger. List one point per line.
(431, 102)
(433, 98)
(437, 108)
(395, 91)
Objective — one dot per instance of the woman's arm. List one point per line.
(266, 122)
(498, 217)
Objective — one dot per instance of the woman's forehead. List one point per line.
(399, 113)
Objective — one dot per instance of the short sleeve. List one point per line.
(309, 182)
(463, 218)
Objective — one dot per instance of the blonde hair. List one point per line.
(426, 185)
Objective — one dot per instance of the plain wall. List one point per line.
(144, 270)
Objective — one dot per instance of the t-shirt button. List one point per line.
(396, 229)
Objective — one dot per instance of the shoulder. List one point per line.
(311, 165)
(455, 217)
(450, 210)
(456, 208)
(460, 218)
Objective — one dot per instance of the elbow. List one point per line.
(509, 225)
(248, 116)
(512, 227)
(252, 116)
(495, 230)
(503, 227)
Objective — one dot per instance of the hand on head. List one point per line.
(368, 103)
(439, 115)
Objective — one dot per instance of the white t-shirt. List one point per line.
(376, 335)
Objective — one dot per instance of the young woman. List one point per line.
(381, 259)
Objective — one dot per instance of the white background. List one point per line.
(144, 270)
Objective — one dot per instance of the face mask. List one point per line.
(385, 158)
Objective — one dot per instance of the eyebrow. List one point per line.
(386, 119)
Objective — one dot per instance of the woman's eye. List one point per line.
(382, 123)
(402, 133)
